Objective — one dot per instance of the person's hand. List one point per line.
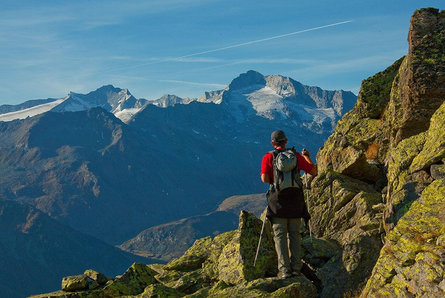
(305, 152)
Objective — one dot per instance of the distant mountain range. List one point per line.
(269, 96)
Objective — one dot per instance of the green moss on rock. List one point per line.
(375, 92)
(159, 290)
(75, 283)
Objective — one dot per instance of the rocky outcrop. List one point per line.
(221, 267)
(412, 261)
(377, 172)
(420, 87)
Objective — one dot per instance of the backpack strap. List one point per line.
(276, 173)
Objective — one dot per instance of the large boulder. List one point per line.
(235, 264)
(75, 283)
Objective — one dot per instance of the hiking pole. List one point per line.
(308, 206)
(259, 241)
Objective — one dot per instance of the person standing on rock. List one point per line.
(280, 168)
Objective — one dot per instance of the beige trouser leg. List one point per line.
(294, 243)
(281, 228)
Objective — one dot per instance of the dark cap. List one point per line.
(278, 136)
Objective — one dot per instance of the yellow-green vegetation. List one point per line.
(409, 263)
(159, 290)
(345, 150)
(400, 160)
(343, 216)
(375, 92)
(75, 283)
(434, 148)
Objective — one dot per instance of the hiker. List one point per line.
(286, 204)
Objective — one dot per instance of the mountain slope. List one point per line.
(36, 250)
(35, 108)
(27, 104)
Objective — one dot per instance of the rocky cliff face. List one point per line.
(382, 172)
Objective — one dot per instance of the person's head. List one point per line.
(278, 138)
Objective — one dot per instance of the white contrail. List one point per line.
(232, 46)
(262, 40)
(178, 59)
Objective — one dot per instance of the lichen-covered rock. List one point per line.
(412, 261)
(343, 215)
(210, 266)
(418, 91)
(433, 150)
(75, 283)
(159, 290)
(192, 282)
(346, 150)
(403, 187)
(235, 264)
(318, 251)
(193, 257)
(100, 278)
(132, 282)
(298, 286)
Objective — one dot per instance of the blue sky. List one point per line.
(154, 47)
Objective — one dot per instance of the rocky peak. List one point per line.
(248, 79)
(283, 86)
(168, 100)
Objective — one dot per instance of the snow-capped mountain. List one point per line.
(250, 94)
(118, 101)
(278, 97)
